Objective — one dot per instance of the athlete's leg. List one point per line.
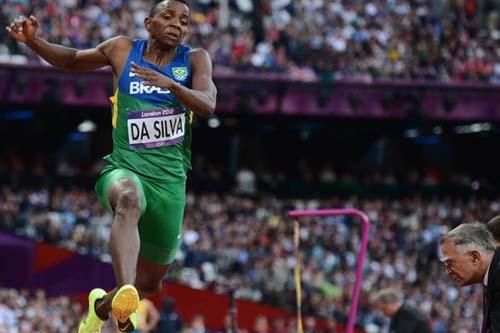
(160, 230)
(124, 195)
(149, 277)
(121, 192)
(124, 241)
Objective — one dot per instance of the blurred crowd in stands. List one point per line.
(24, 312)
(440, 40)
(27, 167)
(245, 242)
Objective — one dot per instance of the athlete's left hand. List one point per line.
(151, 77)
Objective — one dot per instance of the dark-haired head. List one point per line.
(168, 23)
(159, 5)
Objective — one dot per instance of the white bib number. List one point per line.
(156, 128)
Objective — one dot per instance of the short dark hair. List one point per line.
(494, 227)
(155, 8)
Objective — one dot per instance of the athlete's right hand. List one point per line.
(23, 29)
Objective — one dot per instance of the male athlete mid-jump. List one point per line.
(159, 83)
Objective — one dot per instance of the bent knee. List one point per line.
(128, 202)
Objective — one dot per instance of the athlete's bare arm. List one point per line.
(201, 98)
(204, 93)
(72, 60)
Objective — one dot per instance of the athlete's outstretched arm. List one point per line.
(201, 98)
(72, 60)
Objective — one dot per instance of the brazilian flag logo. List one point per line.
(180, 73)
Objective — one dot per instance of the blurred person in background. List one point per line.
(147, 317)
(164, 82)
(278, 325)
(170, 321)
(310, 325)
(227, 325)
(197, 325)
(331, 326)
(470, 256)
(261, 325)
(404, 318)
(493, 226)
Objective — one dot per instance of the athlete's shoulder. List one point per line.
(199, 55)
(115, 44)
(121, 41)
(197, 51)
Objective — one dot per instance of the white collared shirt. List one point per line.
(485, 281)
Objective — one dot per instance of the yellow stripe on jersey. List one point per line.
(190, 117)
(114, 102)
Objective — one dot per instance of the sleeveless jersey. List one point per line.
(151, 128)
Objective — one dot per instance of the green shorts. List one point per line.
(162, 212)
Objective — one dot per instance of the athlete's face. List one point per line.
(170, 24)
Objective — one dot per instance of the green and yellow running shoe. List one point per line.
(92, 324)
(124, 304)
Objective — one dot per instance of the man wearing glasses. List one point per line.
(470, 256)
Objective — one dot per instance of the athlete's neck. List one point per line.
(159, 54)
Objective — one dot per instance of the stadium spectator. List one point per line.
(278, 325)
(227, 328)
(245, 180)
(310, 325)
(261, 325)
(493, 226)
(197, 325)
(147, 317)
(170, 321)
(404, 318)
